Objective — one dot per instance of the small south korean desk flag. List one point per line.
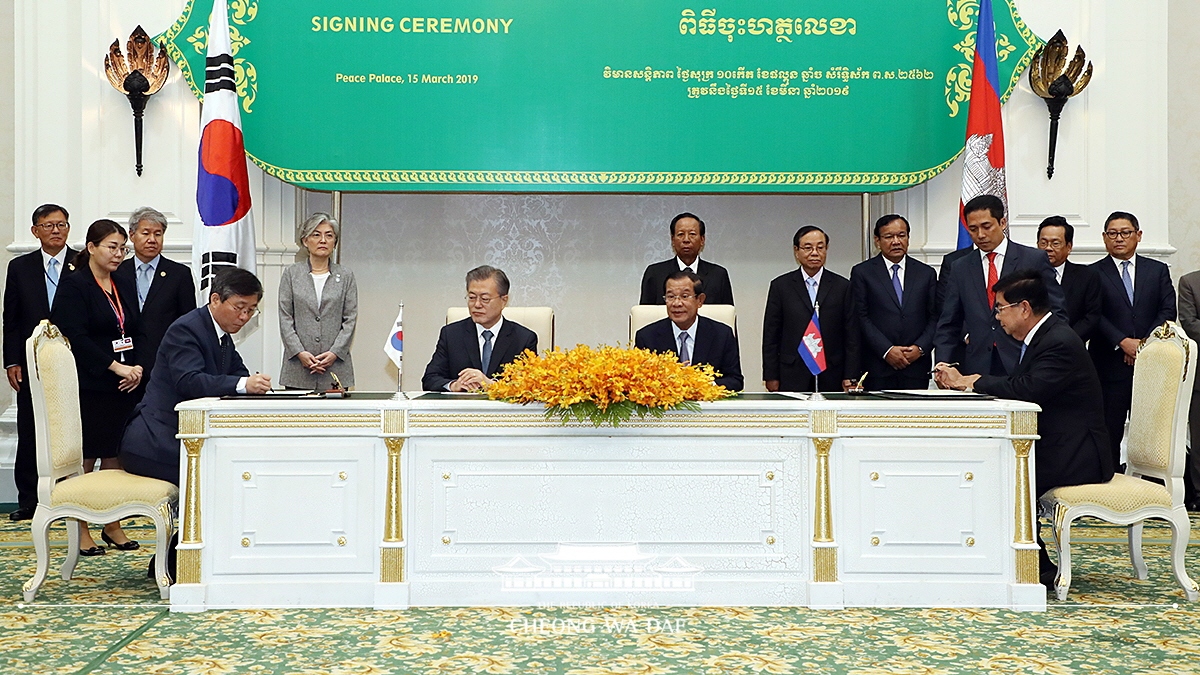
(811, 349)
(394, 345)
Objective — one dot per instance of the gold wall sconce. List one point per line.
(138, 74)
(1055, 81)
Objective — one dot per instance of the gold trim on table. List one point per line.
(425, 421)
(391, 565)
(191, 522)
(1027, 566)
(191, 421)
(393, 422)
(857, 421)
(825, 564)
(1024, 423)
(1023, 532)
(227, 421)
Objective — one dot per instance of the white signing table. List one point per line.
(759, 500)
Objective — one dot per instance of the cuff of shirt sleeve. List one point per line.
(241, 388)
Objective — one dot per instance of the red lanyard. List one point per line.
(116, 307)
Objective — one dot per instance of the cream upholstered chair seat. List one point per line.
(64, 491)
(641, 316)
(1162, 387)
(540, 320)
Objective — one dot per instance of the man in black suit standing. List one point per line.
(790, 304)
(894, 305)
(196, 359)
(687, 240)
(967, 316)
(693, 338)
(1053, 371)
(28, 296)
(1137, 296)
(1080, 285)
(471, 352)
(165, 289)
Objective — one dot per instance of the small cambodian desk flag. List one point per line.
(224, 231)
(394, 346)
(811, 349)
(983, 155)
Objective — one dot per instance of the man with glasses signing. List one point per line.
(471, 352)
(29, 291)
(1137, 296)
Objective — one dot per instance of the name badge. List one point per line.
(123, 345)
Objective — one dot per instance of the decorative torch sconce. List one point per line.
(139, 74)
(1055, 85)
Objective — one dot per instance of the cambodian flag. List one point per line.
(224, 231)
(811, 349)
(983, 155)
(394, 345)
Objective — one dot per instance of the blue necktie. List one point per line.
(51, 281)
(1022, 356)
(812, 290)
(143, 283)
(487, 350)
(896, 283)
(1127, 280)
(684, 355)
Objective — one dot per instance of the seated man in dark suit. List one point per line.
(894, 303)
(1054, 371)
(687, 240)
(967, 314)
(1080, 285)
(471, 352)
(196, 359)
(1137, 296)
(693, 338)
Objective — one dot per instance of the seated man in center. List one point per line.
(694, 338)
(471, 352)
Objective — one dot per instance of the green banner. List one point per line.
(619, 96)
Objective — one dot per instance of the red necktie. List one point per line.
(992, 279)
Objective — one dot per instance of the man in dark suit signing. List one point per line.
(790, 304)
(693, 338)
(196, 359)
(1137, 296)
(165, 289)
(28, 296)
(895, 306)
(967, 317)
(1052, 370)
(471, 352)
(687, 240)
(1080, 285)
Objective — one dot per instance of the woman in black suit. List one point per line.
(98, 313)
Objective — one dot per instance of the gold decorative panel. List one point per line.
(825, 564)
(187, 564)
(1023, 423)
(191, 421)
(1027, 566)
(391, 565)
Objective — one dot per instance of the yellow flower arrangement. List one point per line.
(606, 384)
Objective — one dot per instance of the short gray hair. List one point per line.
(485, 272)
(147, 213)
(314, 221)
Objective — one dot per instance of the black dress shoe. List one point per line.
(22, 513)
(1193, 505)
(95, 550)
(130, 545)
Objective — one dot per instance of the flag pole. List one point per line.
(816, 395)
(400, 365)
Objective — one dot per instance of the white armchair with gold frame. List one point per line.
(540, 320)
(1162, 388)
(641, 316)
(64, 491)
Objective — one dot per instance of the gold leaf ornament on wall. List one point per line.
(246, 80)
(243, 12)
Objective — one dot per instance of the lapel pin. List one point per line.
(162, 274)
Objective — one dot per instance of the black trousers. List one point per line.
(1191, 474)
(1118, 398)
(25, 473)
(144, 466)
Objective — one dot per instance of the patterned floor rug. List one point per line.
(109, 619)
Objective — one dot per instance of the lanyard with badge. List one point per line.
(125, 343)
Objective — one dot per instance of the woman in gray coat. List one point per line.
(318, 307)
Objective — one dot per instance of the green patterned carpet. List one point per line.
(109, 620)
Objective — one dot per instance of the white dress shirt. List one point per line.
(1001, 253)
(241, 385)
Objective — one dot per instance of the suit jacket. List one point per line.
(966, 311)
(306, 327)
(189, 365)
(83, 313)
(958, 353)
(458, 348)
(1153, 303)
(716, 345)
(1189, 312)
(1057, 374)
(25, 302)
(717, 290)
(1081, 287)
(785, 320)
(883, 322)
(172, 294)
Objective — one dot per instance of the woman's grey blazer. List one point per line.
(304, 327)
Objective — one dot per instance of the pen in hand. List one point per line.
(948, 365)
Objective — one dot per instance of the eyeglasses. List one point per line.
(485, 299)
(1004, 307)
(54, 226)
(247, 312)
(321, 236)
(808, 248)
(1052, 245)
(1120, 234)
(673, 298)
(117, 251)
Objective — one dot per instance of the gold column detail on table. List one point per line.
(391, 558)
(188, 559)
(824, 557)
(1026, 558)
